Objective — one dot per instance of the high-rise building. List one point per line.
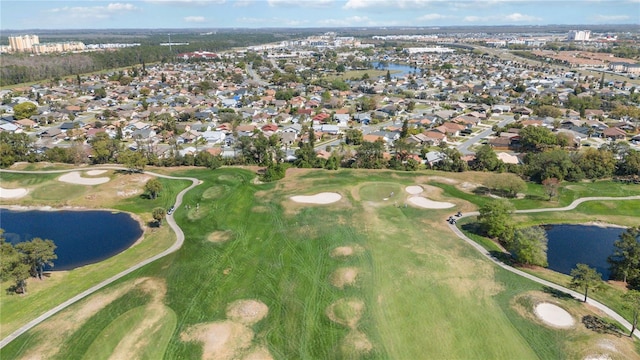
(579, 35)
(23, 43)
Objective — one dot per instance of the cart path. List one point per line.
(176, 245)
(614, 315)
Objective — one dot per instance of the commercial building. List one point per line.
(579, 35)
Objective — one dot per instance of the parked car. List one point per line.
(171, 210)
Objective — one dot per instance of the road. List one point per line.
(176, 245)
(464, 147)
(614, 315)
(366, 129)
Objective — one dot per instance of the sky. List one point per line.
(184, 14)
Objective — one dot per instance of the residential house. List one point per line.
(614, 133)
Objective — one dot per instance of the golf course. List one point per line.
(346, 264)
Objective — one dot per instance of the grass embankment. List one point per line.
(420, 292)
(45, 190)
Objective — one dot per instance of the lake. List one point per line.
(82, 237)
(573, 244)
(396, 70)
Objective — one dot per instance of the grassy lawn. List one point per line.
(418, 292)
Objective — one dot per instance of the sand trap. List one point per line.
(554, 315)
(247, 312)
(345, 276)
(321, 198)
(74, 177)
(12, 193)
(429, 204)
(96, 172)
(414, 189)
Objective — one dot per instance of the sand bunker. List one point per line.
(95, 172)
(429, 204)
(345, 276)
(12, 193)
(321, 198)
(74, 177)
(247, 312)
(554, 315)
(260, 353)
(414, 189)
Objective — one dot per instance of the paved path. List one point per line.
(176, 245)
(614, 315)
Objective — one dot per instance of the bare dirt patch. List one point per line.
(54, 331)
(76, 178)
(260, 353)
(12, 193)
(443, 179)
(318, 199)
(247, 312)
(95, 172)
(220, 236)
(345, 276)
(355, 343)
(221, 340)
(346, 312)
(346, 251)
(429, 204)
(554, 315)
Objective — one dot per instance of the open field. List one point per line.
(262, 275)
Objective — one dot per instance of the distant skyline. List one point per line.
(183, 14)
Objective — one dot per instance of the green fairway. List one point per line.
(360, 278)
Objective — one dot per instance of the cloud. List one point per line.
(243, 3)
(350, 21)
(511, 18)
(186, 2)
(517, 17)
(430, 17)
(271, 21)
(402, 4)
(300, 3)
(194, 19)
(89, 13)
(605, 18)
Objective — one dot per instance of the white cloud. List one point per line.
(430, 17)
(300, 3)
(89, 13)
(350, 21)
(194, 19)
(517, 17)
(601, 18)
(187, 2)
(501, 19)
(402, 4)
(243, 3)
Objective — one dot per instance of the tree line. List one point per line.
(25, 259)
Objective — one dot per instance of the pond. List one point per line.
(573, 244)
(82, 237)
(396, 70)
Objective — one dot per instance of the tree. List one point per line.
(551, 186)
(104, 148)
(369, 155)
(158, 215)
(537, 138)
(405, 129)
(506, 183)
(133, 160)
(547, 111)
(596, 163)
(530, 246)
(486, 159)
(38, 253)
(153, 187)
(24, 110)
(584, 277)
(625, 260)
(496, 221)
(353, 136)
(632, 302)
